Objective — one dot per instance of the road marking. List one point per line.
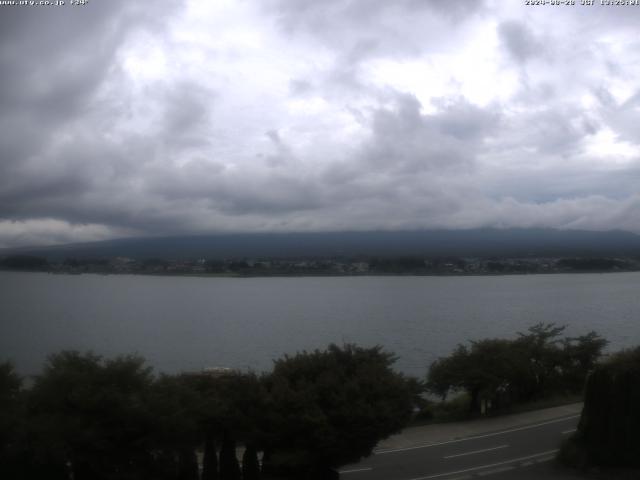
(566, 432)
(481, 467)
(496, 470)
(542, 460)
(427, 445)
(476, 451)
(354, 470)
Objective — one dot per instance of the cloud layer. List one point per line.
(292, 115)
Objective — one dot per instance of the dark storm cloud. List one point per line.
(527, 185)
(520, 41)
(404, 142)
(559, 130)
(310, 13)
(364, 28)
(404, 139)
(120, 119)
(52, 60)
(187, 107)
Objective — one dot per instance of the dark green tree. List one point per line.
(176, 407)
(580, 357)
(501, 372)
(447, 374)
(250, 464)
(24, 262)
(210, 457)
(12, 422)
(328, 408)
(187, 464)
(232, 410)
(607, 433)
(89, 418)
(229, 466)
(487, 371)
(541, 347)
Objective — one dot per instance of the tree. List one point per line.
(503, 372)
(176, 407)
(607, 433)
(580, 357)
(231, 409)
(24, 262)
(89, 415)
(210, 457)
(447, 373)
(11, 422)
(229, 466)
(331, 407)
(250, 464)
(540, 346)
(487, 371)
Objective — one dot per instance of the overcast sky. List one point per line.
(125, 118)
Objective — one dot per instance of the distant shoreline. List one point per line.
(324, 266)
(323, 275)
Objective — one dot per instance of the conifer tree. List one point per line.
(229, 467)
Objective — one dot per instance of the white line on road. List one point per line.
(354, 470)
(481, 467)
(566, 432)
(563, 419)
(505, 468)
(476, 451)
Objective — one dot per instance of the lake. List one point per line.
(187, 323)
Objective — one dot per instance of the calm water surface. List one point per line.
(186, 323)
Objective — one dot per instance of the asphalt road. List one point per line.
(488, 454)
